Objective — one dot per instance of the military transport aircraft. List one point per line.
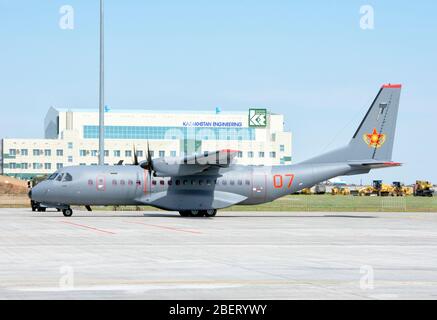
(198, 185)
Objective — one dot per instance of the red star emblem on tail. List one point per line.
(374, 139)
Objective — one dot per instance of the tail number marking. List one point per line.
(278, 180)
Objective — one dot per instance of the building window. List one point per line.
(12, 152)
(70, 159)
(60, 152)
(240, 154)
(37, 166)
(117, 153)
(82, 164)
(59, 166)
(161, 153)
(173, 153)
(94, 153)
(261, 154)
(106, 153)
(24, 152)
(12, 165)
(70, 145)
(36, 152)
(47, 166)
(128, 153)
(281, 148)
(82, 153)
(272, 154)
(250, 154)
(140, 153)
(24, 166)
(48, 152)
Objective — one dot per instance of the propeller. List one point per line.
(148, 164)
(135, 163)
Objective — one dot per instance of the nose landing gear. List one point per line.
(67, 212)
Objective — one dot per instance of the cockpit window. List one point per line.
(59, 177)
(52, 176)
(67, 178)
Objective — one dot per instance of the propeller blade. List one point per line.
(135, 157)
(148, 165)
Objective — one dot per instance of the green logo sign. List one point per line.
(257, 117)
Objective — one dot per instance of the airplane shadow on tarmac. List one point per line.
(176, 215)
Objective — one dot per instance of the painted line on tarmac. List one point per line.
(87, 227)
(165, 227)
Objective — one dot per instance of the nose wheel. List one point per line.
(67, 212)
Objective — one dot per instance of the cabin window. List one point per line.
(154, 182)
(130, 182)
(208, 182)
(224, 182)
(52, 176)
(240, 182)
(122, 182)
(114, 182)
(193, 182)
(161, 182)
(247, 182)
(200, 182)
(90, 182)
(67, 178)
(231, 182)
(170, 182)
(138, 182)
(185, 182)
(178, 182)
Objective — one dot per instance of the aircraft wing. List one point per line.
(193, 164)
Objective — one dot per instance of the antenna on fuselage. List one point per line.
(101, 92)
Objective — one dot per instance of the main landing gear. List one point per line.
(198, 213)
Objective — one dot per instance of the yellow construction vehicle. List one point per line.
(306, 191)
(343, 191)
(382, 189)
(365, 191)
(423, 189)
(398, 189)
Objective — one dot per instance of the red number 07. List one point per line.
(278, 180)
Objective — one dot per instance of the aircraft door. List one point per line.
(259, 185)
(101, 183)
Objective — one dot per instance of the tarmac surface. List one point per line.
(236, 255)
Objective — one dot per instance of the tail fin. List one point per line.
(374, 138)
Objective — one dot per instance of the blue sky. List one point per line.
(309, 60)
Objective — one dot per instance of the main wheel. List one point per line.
(67, 212)
(184, 213)
(210, 213)
(197, 213)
